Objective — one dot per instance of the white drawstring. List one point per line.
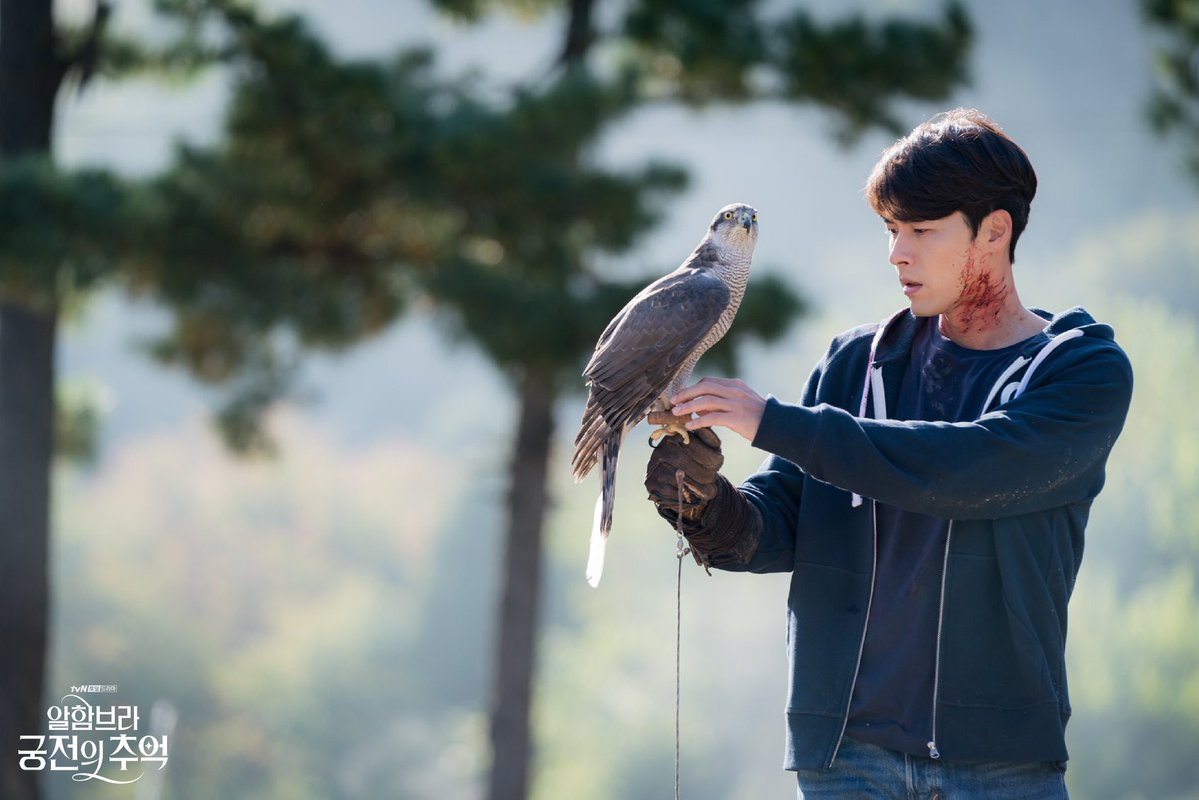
(1054, 343)
(1007, 373)
(879, 393)
(874, 383)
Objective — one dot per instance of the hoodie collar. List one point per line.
(893, 341)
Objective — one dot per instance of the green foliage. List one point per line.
(709, 50)
(1154, 251)
(474, 10)
(1174, 105)
(518, 286)
(60, 230)
(80, 411)
(1134, 659)
(516, 283)
(853, 68)
(342, 187)
(1132, 664)
(291, 234)
(706, 47)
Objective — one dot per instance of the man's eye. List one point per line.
(919, 230)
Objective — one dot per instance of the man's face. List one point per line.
(935, 261)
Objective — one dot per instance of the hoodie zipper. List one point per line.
(865, 625)
(933, 752)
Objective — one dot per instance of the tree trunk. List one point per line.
(579, 35)
(26, 445)
(520, 583)
(520, 589)
(30, 74)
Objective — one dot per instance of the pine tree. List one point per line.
(1174, 105)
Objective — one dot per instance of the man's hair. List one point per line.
(957, 161)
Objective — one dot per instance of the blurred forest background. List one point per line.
(322, 618)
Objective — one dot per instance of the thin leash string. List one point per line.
(681, 550)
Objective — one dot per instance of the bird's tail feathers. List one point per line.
(588, 443)
(598, 548)
(602, 523)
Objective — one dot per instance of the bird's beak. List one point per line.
(747, 220)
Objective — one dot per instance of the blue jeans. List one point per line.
(866, 771)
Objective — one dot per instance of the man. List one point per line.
(929, 495)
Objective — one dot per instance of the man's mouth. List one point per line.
(910, 287)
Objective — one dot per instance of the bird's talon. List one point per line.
(672, 428)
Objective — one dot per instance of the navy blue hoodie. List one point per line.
(1017, 485)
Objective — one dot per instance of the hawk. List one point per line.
(647, 353)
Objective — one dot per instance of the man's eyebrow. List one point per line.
(887, 221)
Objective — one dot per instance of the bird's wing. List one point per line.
(641, 350)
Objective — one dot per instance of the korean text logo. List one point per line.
(93, 742)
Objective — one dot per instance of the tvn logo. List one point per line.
(94, 688)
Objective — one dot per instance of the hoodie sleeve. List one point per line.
(1046, 448)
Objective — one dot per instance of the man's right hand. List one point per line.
(700, 461)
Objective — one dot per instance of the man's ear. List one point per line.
(996, 228)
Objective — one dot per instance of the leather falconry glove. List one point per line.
(700, 462)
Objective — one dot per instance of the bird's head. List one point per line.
(735, 226)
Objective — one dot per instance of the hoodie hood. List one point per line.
(1077, 318)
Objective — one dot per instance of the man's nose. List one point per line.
(900, 253)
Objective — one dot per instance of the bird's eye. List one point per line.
(754, 218)
(728, 215)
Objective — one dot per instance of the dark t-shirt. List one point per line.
(892, 702)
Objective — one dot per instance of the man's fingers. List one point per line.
(724, 397)
(708, 420)
(704, 404)
(726, 402)
(719, 387)
(689, 393)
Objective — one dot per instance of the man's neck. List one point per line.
(990, 318)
